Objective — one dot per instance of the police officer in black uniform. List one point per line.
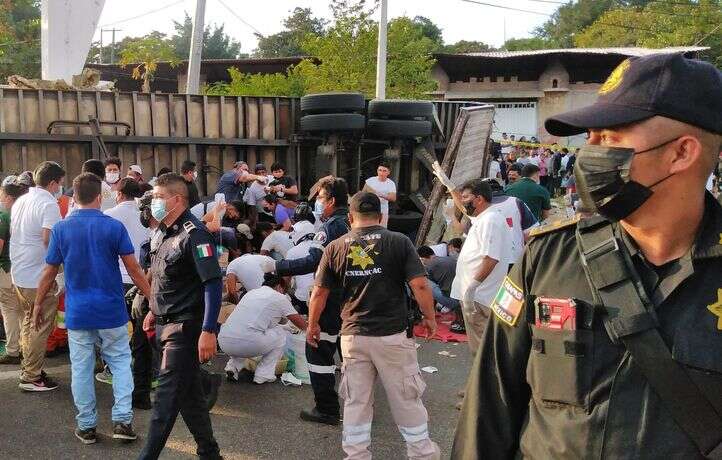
(186, 282)
(333, 193)
(606, 339)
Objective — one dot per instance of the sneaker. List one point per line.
(232, 375)
(44, 383)
(104, 377)
(8, 359)
(445, 310)
(261, 380)
(124, 431)
(86, 436)
(314, 415)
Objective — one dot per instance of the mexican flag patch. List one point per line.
(204, 250)
(508, 302)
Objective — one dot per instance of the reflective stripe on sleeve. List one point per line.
(415, 433)
(356, 434)
(316, 369)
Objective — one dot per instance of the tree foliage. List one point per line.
(145, 53)
(430, 30)
(525, 44)
(246, 84)
(216, 43)
(19, 38)
(571, 18)
(288, 42)
(464, 46)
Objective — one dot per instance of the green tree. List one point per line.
(216, 43)
(288, 42)
(570, 19)
(245, 84)
(144, 54)
(429, 30)
(660, 24)
(464, 46)
(525, 44)
(19, 38)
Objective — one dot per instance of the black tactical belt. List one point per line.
(179, 318)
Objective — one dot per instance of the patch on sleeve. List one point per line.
(204, 250)
(189, 226)
(320, 237)
(508, 302)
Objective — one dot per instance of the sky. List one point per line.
(459, 20)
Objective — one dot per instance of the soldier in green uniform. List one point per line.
(606, 339)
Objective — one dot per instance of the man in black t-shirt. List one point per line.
(372, 266)
(283, 186)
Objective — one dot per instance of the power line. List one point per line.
(502, 7)
(144, 14)
(20, 43)
(239, 17)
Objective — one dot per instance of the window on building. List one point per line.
(555, 83)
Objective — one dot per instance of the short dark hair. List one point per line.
(145, 187)
(515, 167)
(263, 227)
(86, 187)
(565, 150)
(529, 170)
(113, 161)
(174, 183)
(478, 187)
(129, 187)
(47, 172)
(272, 280)
(93, 166)
(278, 166)
(188, 166)
(337, 189)
(238, 204)
(164, 170)
(425, 252)
(456, 243)
(14, 190)
(494, 185)
(385, 164)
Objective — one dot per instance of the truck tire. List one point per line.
(398, 129)
(406, 223)
(333, 103)
(400, 109)
(329, 122)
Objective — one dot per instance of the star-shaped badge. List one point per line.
(716, 309)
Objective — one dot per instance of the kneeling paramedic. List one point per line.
(372, 266)
(186, 285)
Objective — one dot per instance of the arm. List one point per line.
(232, 287)
(300, 266)
(391, 196)
(422, 293)
(292, 190)
(46, 282)
(298, 321)
(2, 245)
(316, 305)
(46, 237)
(136, 274)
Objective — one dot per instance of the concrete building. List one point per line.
(527, 87)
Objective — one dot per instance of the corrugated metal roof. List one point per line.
(631, 51)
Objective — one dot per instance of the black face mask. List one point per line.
(603, 183)
(470, 208)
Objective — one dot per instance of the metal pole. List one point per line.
(112, 47)
(381, 55)
(194, 60)
(101, 46)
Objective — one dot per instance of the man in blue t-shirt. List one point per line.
(88, 243)
(281, 214)
(231, 182)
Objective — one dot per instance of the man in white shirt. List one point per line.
(32, 218)
(495, 169)
(302, 237)
(277, 244)
(384, 188)
(127, 212)
(248, 270)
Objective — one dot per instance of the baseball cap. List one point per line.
(668, 85)
(239, 163)
(245, 230)
(365, 202)
(260, 167)
(136, 169)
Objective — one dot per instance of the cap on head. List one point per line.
(259, 167)
(668, 85)
(136, 169)
(365, 203)
(245, 230)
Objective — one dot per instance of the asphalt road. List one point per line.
(250, 421)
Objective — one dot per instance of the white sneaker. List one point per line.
(261, 380)
(231, 371)
(445, 310)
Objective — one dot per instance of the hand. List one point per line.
(206, 346)
(268, 265)
(60, 281)
(443, 178)
(468, 297)
(36, 318)
(313, 334)
(136, 310)
(149, 322)
(430, 325)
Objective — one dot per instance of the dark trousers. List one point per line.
(323, 378)
(142, 350)
(180, 390)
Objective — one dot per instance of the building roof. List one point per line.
(628, 51)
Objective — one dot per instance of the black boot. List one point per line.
(314, 415)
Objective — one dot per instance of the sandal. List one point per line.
(457, 328)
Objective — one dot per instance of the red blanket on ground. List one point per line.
(443, 334)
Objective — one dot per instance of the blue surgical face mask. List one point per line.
(157, 209)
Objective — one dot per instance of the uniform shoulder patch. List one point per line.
(320, 237)
(554, 226)
(189, 226)
(204, 250)
(508, 302)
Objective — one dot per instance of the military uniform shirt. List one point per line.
(540, 393)
(182, 259)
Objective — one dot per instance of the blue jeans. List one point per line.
(115, 350)
(442, 298)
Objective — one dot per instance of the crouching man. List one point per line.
(372, 266)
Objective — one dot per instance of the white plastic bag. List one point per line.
(296, 351)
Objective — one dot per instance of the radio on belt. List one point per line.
(555, 313)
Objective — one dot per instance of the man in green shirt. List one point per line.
(528, 190)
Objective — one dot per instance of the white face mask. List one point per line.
(195, 174)
(58, 193)
(112, 177)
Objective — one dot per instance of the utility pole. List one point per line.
(101, 46)
(381, 54)
(112, 46)
(194, 60)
